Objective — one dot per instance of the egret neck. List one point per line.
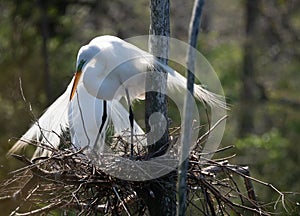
(77, 78)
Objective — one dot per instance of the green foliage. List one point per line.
(272, 150)
(270, 158)
(271, 145)
(226, 59)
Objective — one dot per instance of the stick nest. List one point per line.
(68, 181)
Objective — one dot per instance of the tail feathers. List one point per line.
(177, 82)
(47, 129)
(210, 98)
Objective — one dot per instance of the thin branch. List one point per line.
(40, 210)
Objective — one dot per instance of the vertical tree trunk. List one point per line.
(45, 36)
(186, 137)
(161, 200)
(249, 87)
(156, 101)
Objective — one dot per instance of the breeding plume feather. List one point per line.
(107, 69)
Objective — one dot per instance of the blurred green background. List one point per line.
(254, 48)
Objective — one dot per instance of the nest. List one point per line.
(68, 181)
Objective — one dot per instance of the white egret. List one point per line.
(82, 115)
(115, 61)
(104, 67)
(79, 112)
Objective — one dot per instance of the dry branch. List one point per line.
(69, 181)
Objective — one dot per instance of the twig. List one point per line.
(122, 203)
(40, 210)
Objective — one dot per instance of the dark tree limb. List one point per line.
(156, 101)
(45, 35)
(249, 90)
(161, 199)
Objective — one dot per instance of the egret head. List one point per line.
(85, 54)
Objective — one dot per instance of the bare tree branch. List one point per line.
(186, 137)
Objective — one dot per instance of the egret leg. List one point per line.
(104, 118)
(131, 122)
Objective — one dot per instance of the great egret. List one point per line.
(114, 62)
(104, 69)
(79, 112)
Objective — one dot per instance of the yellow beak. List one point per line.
(77, 78)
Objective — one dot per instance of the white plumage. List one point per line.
(110, 67)
(116, 61)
